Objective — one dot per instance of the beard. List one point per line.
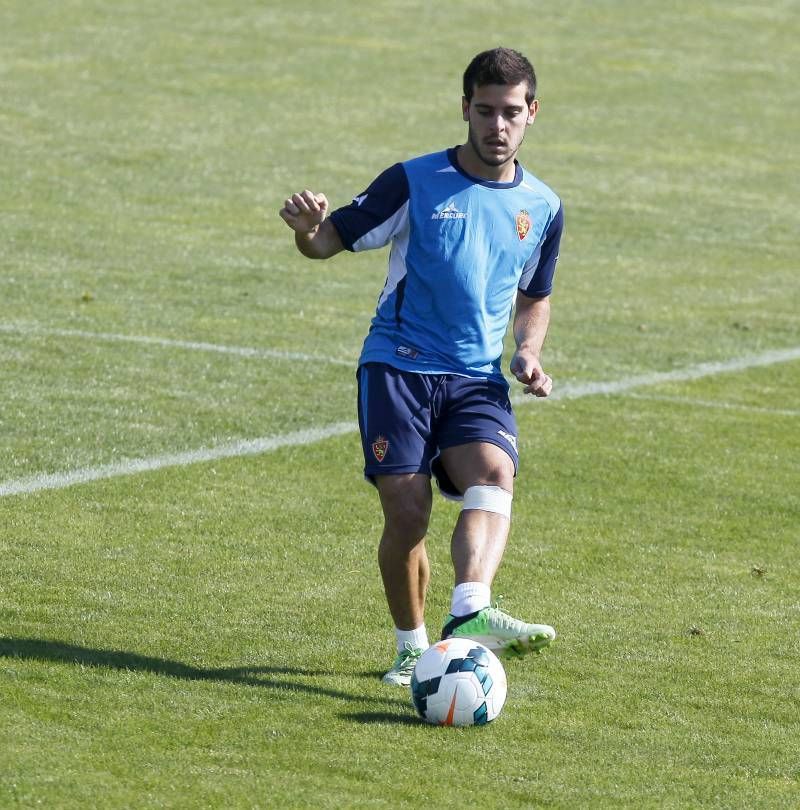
(493, 160)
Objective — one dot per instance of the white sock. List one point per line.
(416, 638)
(469, 597)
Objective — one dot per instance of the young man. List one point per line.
(473, 234)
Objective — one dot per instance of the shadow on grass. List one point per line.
(373, 718)
(371, 675)
(33, 649)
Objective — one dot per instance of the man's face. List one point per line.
(498, 116)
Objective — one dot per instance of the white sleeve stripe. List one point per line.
(397, 269)
(381, 234)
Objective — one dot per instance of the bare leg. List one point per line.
(477, 546)
(479, 537)
(406, 502)
(478, 543)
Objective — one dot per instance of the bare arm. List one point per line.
(305, 213)
(531, 319)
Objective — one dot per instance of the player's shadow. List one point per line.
(264, 677)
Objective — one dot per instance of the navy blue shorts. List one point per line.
(407, 419)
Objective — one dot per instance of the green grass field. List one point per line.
(187, 621)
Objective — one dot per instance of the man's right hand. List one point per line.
(315, 236)
(305, 211)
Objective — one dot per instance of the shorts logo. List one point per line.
(380, 447)
(523, 224)
(512, 440)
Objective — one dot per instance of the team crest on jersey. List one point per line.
(380, 447)
(523, 224)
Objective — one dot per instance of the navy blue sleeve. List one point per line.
(375, 215)
(537, 278)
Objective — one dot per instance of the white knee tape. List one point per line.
(489, 499)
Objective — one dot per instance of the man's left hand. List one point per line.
(528, 370)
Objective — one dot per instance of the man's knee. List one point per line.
(479, 464)
(406, 503)
(408, 521)
(500, 474)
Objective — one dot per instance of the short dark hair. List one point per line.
(499, 66)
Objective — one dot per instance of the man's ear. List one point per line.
(464, 108)
(532, 110)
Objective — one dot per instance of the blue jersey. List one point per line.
(461, 248)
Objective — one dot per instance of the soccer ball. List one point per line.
(458, 682)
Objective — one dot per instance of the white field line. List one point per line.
(725, 406)
(251, 447)
(588, 389)
(240, 351)
(37, 483)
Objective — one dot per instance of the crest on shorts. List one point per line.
(380, 447)
(523, 224)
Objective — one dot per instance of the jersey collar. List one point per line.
(451, 156)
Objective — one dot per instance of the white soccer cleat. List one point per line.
(403, 667)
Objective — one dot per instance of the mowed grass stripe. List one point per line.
(171, 343)
(245, 447)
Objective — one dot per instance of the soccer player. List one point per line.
(473, 235)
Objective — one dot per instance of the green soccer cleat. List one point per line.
(504, 635)
(403, 667)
